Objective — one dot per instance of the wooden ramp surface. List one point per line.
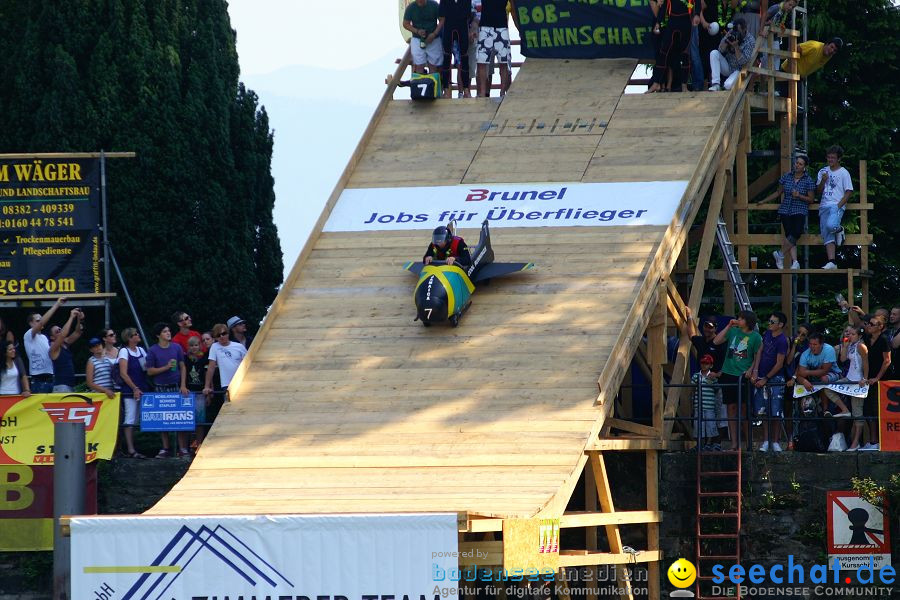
(347, 405)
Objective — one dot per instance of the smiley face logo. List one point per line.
(682, 573)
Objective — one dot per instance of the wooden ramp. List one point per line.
(344, 404)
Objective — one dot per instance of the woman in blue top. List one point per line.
(797, 191)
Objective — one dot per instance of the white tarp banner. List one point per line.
(507, 205)
(847, 389)
(339, 556)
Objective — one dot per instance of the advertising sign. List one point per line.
(49, 226)
(295, 556)
(508, 205)
(26, 506)
(168, 411)
(26, 425)
(568, 29)
(857, 531)
(848, 389)
(889, 415)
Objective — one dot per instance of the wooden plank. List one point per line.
(774, 239)
(577, 558)
(592, 519)
(604, 495)
(630, 427)
(652, 487)
(624, 444)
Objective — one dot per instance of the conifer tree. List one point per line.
(191, 217)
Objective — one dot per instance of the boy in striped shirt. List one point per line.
(705, 406)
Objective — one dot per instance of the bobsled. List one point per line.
(443, 292)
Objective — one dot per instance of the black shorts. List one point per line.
(794, 227)
(870, 404)
(730, 389)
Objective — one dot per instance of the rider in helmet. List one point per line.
(446, 246)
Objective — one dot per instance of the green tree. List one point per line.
(191, 217)
(853, 103)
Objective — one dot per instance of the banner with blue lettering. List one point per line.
(168, 411)
(585, 28)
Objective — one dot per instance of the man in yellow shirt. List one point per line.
(814, 55)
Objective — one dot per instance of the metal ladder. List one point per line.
(731, 266)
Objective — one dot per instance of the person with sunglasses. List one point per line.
(225, 356)
(879, 364)
(768, 380)
(184, 323)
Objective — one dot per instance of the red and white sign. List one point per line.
(889, 415)
(857, 530)
(73, 412)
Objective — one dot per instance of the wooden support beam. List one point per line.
(604, 495)
(656, 341)
(653, 528)
(763, 182)
(628, 517)
(575, 558)
(634, 444)
(590, 505)
(679, 371)
(742, 196)
(635, 428)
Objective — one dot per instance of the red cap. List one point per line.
(707, 358)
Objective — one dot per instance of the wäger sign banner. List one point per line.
(49, 226)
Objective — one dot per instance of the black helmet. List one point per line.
(441, 236)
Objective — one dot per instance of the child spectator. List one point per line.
(195, 363)
(165, 364)
(705, 404)
(98, 370)
(835, 186)
(13, 379)
(132, 362)
(856, 353)
(206, 341)
(797, 192)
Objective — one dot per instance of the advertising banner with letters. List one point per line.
(169, 411)
(857, 532)
(26, 506)
(585, 28)
(26, 435)
(508, 205)
(49, 226)
(889, 415)
(347, 557)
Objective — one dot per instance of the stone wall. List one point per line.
(783, 503)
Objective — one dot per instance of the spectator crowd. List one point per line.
(180, 359)
(746, 379)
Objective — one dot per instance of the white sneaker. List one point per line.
(764, 447)
(714, 87)
(779, 259)
(795, 265)
(776, 447)
(830, 265)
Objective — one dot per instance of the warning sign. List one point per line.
(857, 530)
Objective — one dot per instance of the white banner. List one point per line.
(508, 205)
(343, 557)
(848, 389)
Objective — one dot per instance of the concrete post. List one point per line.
(68, 498)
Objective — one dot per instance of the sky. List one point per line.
(320, 76)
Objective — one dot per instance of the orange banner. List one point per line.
(889, 415)
(26, 425)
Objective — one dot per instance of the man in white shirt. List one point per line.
(224, 355)
(37, 347)
(835, 186)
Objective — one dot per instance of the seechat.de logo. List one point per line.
(682, 574)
